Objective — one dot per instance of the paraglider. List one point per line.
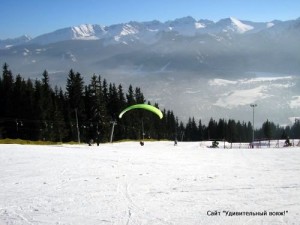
(143, 106)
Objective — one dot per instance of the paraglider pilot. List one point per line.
(175, 141)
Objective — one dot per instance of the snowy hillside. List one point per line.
(156, 184)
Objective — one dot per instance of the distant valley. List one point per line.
(195, 68)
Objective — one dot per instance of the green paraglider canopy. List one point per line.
(143, 106)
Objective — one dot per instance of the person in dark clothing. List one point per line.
(98, 138)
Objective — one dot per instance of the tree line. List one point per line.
(33, 110)
(232, 131)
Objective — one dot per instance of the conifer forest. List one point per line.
(34, 110)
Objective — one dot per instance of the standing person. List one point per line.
(98, 138)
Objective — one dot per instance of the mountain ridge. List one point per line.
(146, 31)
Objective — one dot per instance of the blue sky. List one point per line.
(35, 17)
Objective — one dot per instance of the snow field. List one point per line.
(159, 183)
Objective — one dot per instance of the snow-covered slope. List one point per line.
(158, 184)
(230, 25)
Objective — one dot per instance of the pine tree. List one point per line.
(201, 129)
(295, 130)
(59, 125)
(157, 125)
(221, 129)
(75, 87)
(105, 91)
(181, 131)
(121, 124)
(133, 127)
(268, 129)
(21, 103)
(212, 129)
(171, 125)
(249, 132)
(139, 97)
(7, 86)
(191, 133)
(47, 104)
(121, 97)
(99, 117)
(231, 131)
(74, 93)
(113, 102)
(130, 96)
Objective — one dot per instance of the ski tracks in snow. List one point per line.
(132, 213)
(11, 213)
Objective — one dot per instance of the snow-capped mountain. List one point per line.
(184, 45)
(82, 32)
(172, 57)
(14, 41)
(147, 32)
(231, 25)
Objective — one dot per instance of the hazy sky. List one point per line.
(35, 17)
